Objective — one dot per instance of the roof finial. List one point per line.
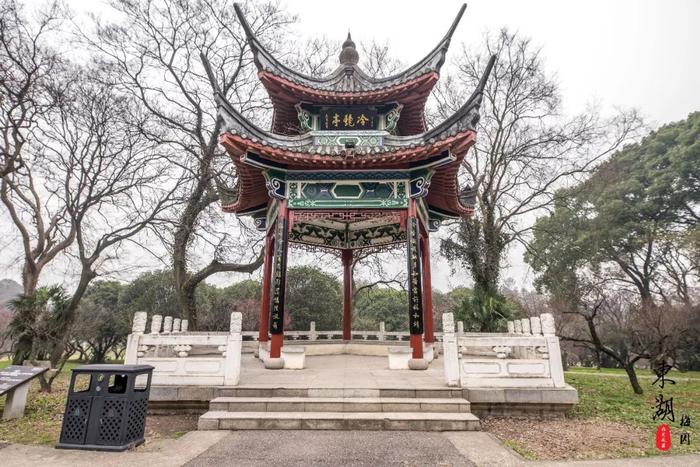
(349, 55)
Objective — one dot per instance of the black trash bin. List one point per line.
(106, 407)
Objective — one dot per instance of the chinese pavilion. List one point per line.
(349, 164)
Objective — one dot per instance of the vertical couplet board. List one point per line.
(415, 290)
(279, 277)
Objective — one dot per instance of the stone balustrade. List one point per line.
(315, 335)
(381, 334)
(528, 355)
(185, 358)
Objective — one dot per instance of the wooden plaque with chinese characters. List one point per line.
(349, 118)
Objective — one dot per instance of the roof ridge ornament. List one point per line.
(349, 56)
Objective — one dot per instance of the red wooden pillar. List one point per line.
(415, 300)
(347, 295)
(427, 290)
(263, 335)
(279, 283)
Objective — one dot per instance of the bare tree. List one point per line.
(525, 150)
(376, 59)
(154, 55)
(613, 323)
(91, 183)
(317, 57)
(28, 76)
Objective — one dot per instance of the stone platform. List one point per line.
(365, 377)
(340, 392)
(324, 376)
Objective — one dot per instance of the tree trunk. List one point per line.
(81, 353)
(632, 375)
(186, 299)
(23, 350)
(30, 278)
(98, 354)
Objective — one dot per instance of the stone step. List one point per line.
(413, 421)
(338, 404)
(272, 391)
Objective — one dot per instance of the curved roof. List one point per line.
(455, 134)
(465, 118)
(348, 77)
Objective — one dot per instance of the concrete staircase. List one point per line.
(436, 409)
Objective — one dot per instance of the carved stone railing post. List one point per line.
(234, 344)
(133, 340)
(168, 325)
(525, 325)
(556, 368)
(382, 331)
(176, 325)
(139, 323)
(449, 350)
(156, 323)
(535, 326)
(183, 325)
(460, 328)
(313, 335)
(547, 321)
(511, 327)
(518, 325)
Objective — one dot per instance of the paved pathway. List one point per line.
(331, 448)
(159, 453)
(312, 448)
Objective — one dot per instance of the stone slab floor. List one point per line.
(341, 371)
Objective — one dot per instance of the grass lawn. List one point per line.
(43, 415)
(610, 419)
(607, 395)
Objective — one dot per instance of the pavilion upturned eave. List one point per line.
(342, 158)
(348, 76)
(252, 191)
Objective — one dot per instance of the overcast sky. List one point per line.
(620, 54)
(642, 54)
(634, 53)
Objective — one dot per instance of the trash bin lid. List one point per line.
(114, 368)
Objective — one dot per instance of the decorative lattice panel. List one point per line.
(75, 421)
(137, 419)
(387, 217)
(111, 418)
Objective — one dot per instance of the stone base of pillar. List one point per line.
(294, 357)
(274, 363)
(428, 352)
(418, 364)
